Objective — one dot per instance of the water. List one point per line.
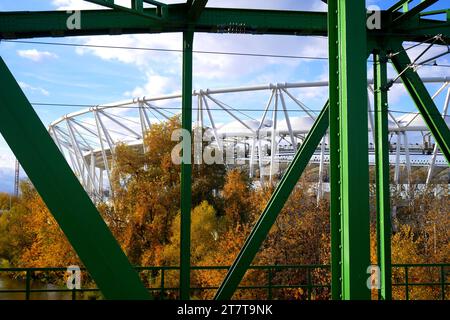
(7, 283)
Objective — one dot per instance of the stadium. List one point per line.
(279, 119)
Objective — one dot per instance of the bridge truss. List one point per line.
(344, 115)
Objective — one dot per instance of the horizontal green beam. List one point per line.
(446, 12)
(273, 208)
(64, 196)
(96, 22)
(17, 25)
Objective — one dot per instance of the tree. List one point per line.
(147, 193)
(237, 196)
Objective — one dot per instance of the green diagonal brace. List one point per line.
(273, 208)
(196, 9)
(398, 5)
(413, 12)
(423, 100)
(64, 196)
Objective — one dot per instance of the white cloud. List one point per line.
(164, 67)
(77, 5)
(235, 67)
(7, 159)
(26, 86)
(36, 55)
(140, 58)
(207, 67)
(84, 5)
(156, 85)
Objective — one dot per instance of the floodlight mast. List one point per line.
(350, 43)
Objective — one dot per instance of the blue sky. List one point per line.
(53, 74)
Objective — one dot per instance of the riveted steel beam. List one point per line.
(17, 25)
(348, 124)
(335, 218)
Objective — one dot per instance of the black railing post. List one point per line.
(27, 284)
(269, 287)
(442, 282)
(406, 284)
(162, 283)
(309, 283)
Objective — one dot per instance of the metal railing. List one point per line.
(156, 278)
(436, 275)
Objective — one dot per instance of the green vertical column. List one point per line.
(350, 69)
(335, 204)
(64, 196)
(186, 169)
(382, 174)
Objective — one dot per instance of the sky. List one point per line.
(92, 76)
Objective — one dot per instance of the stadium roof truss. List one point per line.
(88, 137)
(345, 115)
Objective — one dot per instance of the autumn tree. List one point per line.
(147, 193)
(30, 236)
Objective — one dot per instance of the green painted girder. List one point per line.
(17, 25)
(422, 100)
(397, 6)
(446, 12)
(98, 22)
(335, 204)
(273, 207)
(414, 12)
(348, 87)
(196, 8)
(64, 196)
(382, 174)
(186, 169)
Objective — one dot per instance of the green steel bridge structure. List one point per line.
(344, 115)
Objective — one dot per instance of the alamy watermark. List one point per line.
(220, 151)
(74, 278)
(73, 22)
(373, 282)
(373, 21)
